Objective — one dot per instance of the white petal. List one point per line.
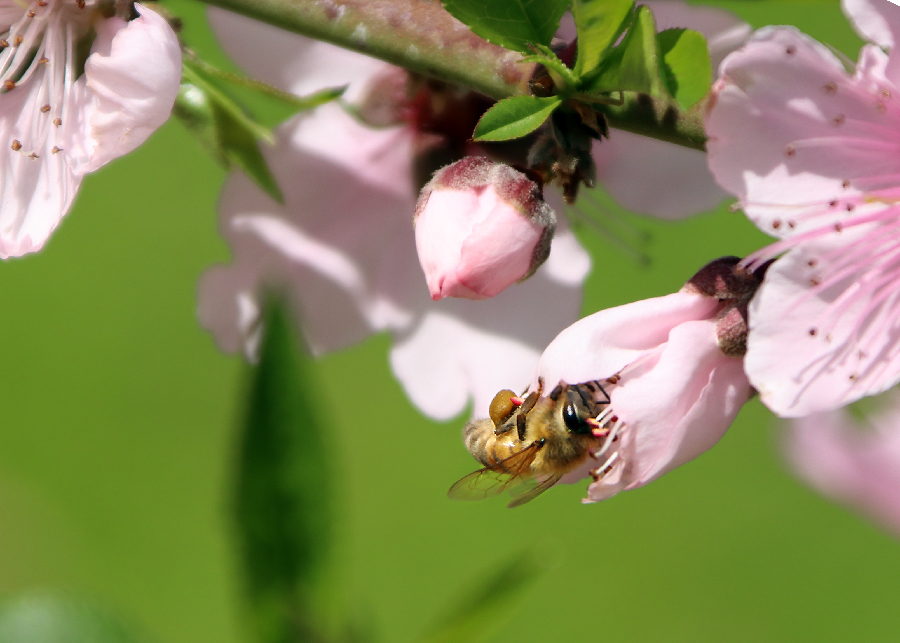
(342, 243)
(654, 177)
(127, 91)
(290, 61)
(36, 186)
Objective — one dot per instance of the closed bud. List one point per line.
(481, 226)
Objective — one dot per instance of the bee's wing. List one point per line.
(494, 480)
(531, 491)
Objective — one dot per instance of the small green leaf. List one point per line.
(599, 24)
(50, 619)
(282, 505)
(224, 129)
(514, 117)
(632, 66)
(299, 103)
(514, 24)
(562, 75)
(488, 605)
(686, 70)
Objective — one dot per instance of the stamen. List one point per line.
(16, 145)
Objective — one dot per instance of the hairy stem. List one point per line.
(421, 36)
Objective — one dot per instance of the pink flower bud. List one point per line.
(480, 226)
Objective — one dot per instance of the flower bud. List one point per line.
(480, 226)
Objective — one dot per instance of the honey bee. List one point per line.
(527, 445)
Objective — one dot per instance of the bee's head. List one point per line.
(575, 412)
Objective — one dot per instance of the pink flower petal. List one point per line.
(874, 20)
(127, 91)
(290, 61)
(857, 465)
(823, 327)
(681, 404)
(600, 345)
(797, 139)
(461, 352)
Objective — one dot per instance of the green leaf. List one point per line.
(599, 24)
(633, 65)
(514, 117)
(514, 24)
(49, 619)
(299, 103)
(489, 605)
(224, 129)
(282, 504)
(562, 75)
(686, 69)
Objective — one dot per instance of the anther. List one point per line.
(813, 332)
(776, 223)
(815, 281)
(4, 43)
(16, 146)
(31, 13)
(853, 378)
(881, 107)
(43, 61)
(57, 122)
(9, 85)
(838, 226)
(18, 39)
(790, 150)
(850, 207)
(839, 119)
(613, 380)
(792, 224)
(846, 183)
(830, 87)
(55, 150)
(33, 156)
(45, 109)
(41, 3)
(886, 93)
(80, 4)
(812, 263)
(791, 50)
(833, 204)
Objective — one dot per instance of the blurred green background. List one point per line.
(120, 425)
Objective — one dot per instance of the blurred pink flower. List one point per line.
(342, 246)
(653, 177)
(813, 153)
(673, 370)
(57, 125)
(481, 226)
(854, 463)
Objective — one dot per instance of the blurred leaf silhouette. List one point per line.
(283, 494)
(486, 608)
(49, 619)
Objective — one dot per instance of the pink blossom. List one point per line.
(56, 125)
(812, 153)
(481, 226)
(855, 463)
(342, 246)
(654, 177)
(673, 371)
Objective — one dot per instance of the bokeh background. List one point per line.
(120, 423)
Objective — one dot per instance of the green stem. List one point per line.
(421, 36)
